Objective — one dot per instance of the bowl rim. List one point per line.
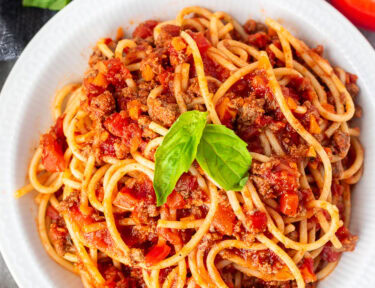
(59, 20)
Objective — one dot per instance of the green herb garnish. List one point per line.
(218, 150)
(46, 4)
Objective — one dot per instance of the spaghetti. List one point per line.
(93, 170)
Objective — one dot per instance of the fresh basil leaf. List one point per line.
(224, 157)
(46, 4)
(178, 150)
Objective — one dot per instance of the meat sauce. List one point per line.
(249, 107)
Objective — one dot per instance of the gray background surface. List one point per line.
(6, 280)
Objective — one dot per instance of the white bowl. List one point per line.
(58, 54)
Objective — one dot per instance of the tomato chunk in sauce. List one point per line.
(157, 253)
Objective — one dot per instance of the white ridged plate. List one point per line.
(58, 54)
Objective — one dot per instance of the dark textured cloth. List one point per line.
(18, 25)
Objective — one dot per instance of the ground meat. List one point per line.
(144, 89)
(167, 32)
(59, 237)
(337, 170)
(105, 144)
(157, 60)
(277, 176)
(188, 188)
(126, 95)
(161, 110)
(260, 40)
(265, 260)
(143, 122)
(296, 151)
(341, 143)
(358, 111)
(251, 26)
(69, 202)
(249, 109)
(193, 90)
(136, 256)
(353, 89)
(95, 57)
(144, 211)
(102, 105)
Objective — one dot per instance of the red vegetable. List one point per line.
(202, 43)
(224, 219)
(169, 235)
(157, 253)
(289, 203)
(329, 255)
(307, 270)
(126, 198)
(257, 221)
(360, 12)
(52, 153)
(52, 213)
(120, 125)
(175, 200)
(145, 29)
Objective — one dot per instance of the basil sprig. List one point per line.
(218, 150)
(224, 157)
(46, 4)
(178, 150)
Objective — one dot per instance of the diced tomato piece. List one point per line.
(347, 239)
(58, 128)
(165, 78)
(259, 40)
(224, 219)
(134, 109)
(175, 200)
(213, 69)
(289, 203)
(283, 176)
(52, 153)
(172, 236)
(117, 73)
(259, 84)
(76, 214)
(186, 182)
(52, 213)
(343, 233)
(257, 221)
(126, 198)
(202, 43)
(100, 238)
(120, 125)
(107, 147)
(100, 81)
(145, 29)
(91, 89)
(329, 255)
(157, 253)
(307, 270)
(107, 40)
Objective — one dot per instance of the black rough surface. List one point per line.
(18, 25)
